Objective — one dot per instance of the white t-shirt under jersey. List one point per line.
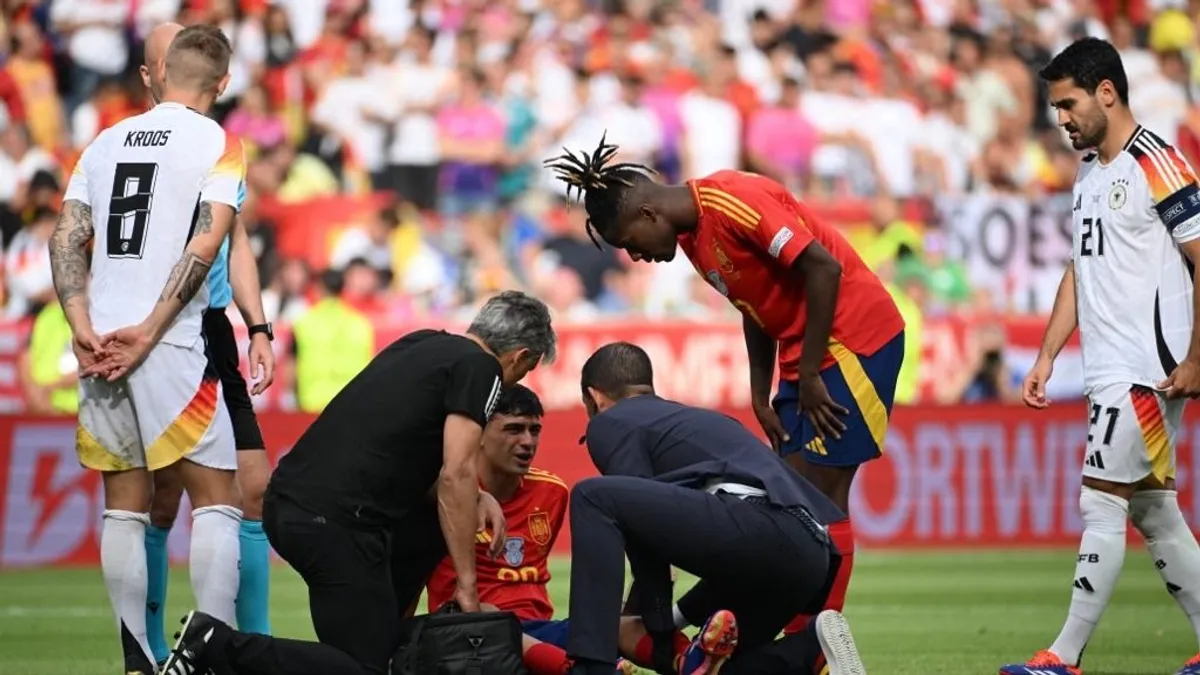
(1133, 284)
(144, 180)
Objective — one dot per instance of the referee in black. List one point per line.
(693, 488)
(377, 491)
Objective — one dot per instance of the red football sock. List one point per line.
(546, 659)
(643, 653)
(842, 535)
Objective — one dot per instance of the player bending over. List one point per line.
(534, 504)
(1131, 289)
(253, 467)
(147, 189)
(799, 286)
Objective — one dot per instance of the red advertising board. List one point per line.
(698, 363)
(962, 476)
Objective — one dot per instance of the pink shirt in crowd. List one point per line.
(784, 137)
(264, 132)
(476, 123)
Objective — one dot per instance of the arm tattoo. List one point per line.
(186, 278)
(68, 250)
(203, 219)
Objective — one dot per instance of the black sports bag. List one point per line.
(451, 642)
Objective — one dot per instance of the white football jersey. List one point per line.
(1133, 284)
(144, 179)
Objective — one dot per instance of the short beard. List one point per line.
(1094, 140)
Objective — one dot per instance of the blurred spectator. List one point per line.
(47, 370)
(712, 127)
(471, 136)
(19, 163)
(780, 142)
(285, 294)
(987, 96)
(986, 377)
(351, 111)
(369, 243)
(27, 266)
(41, 109)
(254, 121)
(418, 88)
(331, 343)
(569, 246)
(94, 31)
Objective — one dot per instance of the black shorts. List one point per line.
(223, 354)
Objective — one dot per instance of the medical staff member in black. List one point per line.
(376, 492)
(693, 488)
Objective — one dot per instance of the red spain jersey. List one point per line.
(751, 230)
(516, 581)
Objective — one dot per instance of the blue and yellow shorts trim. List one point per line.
(866, 386)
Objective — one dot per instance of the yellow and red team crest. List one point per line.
(539, 527)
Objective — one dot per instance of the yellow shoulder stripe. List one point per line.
(549, 478)
(731, 206)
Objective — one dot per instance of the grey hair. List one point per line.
(513, 320)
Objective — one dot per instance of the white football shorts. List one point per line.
(1131, 434)
(169, 408)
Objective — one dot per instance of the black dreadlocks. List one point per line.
(599, 186)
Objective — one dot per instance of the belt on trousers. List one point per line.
(819, 532)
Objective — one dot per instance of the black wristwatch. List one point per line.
(265, 329)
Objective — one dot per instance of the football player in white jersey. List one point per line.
(1131, 290)
(234, 275)
(156, 195)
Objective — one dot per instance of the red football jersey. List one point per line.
(751, 230)
(516, 581)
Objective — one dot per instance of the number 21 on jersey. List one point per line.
(129, 208)
(1091, 238)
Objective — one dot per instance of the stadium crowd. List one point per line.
(396, 145)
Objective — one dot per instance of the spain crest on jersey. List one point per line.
(539, 527)
(514, 551)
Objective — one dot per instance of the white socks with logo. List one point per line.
(1172, 546)
(1101, 555)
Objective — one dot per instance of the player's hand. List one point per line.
(262, 363)
(1184, 381)
(771, 426)
(491, 517)
(822, 411)
(126, 348)
(89, 351)
(1033, 391)
(467, 597)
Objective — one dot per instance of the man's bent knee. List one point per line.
(168, 491)
(591, 491)
(253, 473)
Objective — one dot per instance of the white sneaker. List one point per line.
(833, 632)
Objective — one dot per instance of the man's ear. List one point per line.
(222, 84)
(602, 400)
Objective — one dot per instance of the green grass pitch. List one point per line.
(912, 614)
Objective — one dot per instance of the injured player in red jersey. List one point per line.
(535, 504)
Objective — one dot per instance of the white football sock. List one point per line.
(1172, 545)
(123, 561)
(1101, 555)
(214, 560)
